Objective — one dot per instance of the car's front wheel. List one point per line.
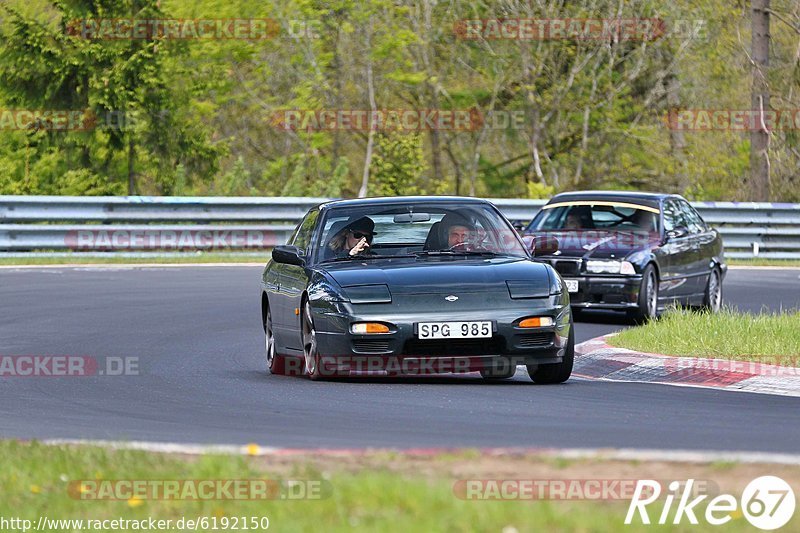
(647, 304)
(556, 372)
(712, 300)
(310, 353)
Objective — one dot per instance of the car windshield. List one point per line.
(603, 216)
(420, 229)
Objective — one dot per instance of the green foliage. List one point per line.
(539, 191)
(198, 116)
(397, 165)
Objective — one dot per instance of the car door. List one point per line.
(294, 280)
(703, 245)
(678, 254)
(286, 277)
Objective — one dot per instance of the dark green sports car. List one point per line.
(414, 285)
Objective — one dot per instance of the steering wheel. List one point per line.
(468, 247)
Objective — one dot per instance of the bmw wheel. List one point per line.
(648, 296)
(712, 300)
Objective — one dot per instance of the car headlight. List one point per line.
(610, 267)
(626, 267)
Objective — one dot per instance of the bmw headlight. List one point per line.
(610, 267)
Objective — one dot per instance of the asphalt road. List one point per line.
(201, 377)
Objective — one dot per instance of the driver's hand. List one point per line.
(360, 246)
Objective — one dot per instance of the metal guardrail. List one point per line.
(27, 223)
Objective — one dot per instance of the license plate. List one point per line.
(454, 330)
(572, 285)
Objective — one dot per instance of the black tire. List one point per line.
(276, 364)
(311, 359)
(712, 299)
(501, 369)
(556, 372)
(647, 305)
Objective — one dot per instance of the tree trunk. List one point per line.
(759, 135)
(131, 162)
(362, 192)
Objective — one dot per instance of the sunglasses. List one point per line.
(359, 235)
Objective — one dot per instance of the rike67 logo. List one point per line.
(767, 502)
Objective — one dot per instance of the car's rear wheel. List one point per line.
(556, 372)
(310, 354)
(499, 369)
(648, 296)
(712, 300)
(275, 362)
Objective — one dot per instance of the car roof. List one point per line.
(650, 199)
(360, 202)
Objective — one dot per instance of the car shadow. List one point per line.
(597, 316)
(470, 378)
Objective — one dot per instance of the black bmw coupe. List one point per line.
(414, 285)
(630, 251)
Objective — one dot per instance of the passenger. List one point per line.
(354, 239)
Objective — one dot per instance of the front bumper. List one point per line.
(606, 292)
(403, 351)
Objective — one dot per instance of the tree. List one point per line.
(142, 127)
(759, 101)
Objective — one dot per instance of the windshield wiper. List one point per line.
(484, 253)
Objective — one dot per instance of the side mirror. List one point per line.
(677, 232)
(543, 246)
(287, 254)
(519, 225)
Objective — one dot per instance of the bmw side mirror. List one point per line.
(288, 255)
(543, 246)
(677, 233)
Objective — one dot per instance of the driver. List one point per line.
(458, 230)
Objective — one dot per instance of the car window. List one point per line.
(693, 220)
(407, 229)
(304, 232)
(605, 216)
(386, 230)
(673, 217)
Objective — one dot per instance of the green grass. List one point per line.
(793, 263)
(77, 259)
(729, 334)
(35, 477)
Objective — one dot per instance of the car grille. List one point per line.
(535, 340)
(371, 345)
(455, 347)
(567, 268)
